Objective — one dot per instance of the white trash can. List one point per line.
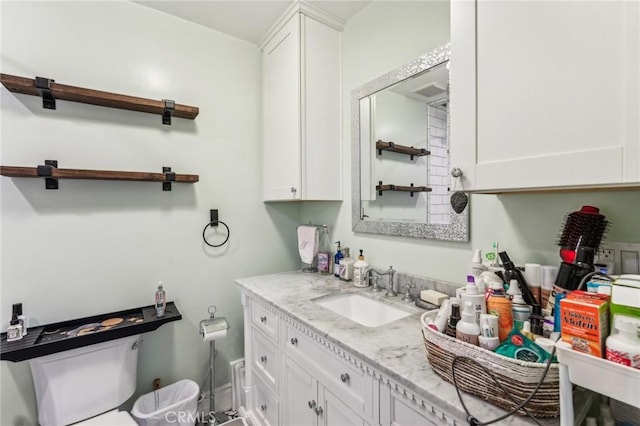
(172, 405)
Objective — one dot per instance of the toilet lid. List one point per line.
(110, 418)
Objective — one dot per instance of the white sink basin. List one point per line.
(361, 309)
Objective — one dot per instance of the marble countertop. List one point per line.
(395, 350)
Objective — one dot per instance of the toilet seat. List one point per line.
(110, 418)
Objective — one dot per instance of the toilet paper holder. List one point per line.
(214, 327)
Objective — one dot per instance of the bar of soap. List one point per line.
(432, 296)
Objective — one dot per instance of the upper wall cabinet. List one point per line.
(545, 95)
(302, 108)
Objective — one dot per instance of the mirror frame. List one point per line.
(458, 227)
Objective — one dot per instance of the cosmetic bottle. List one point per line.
(454, 318)
(533, 273)
(336, 260)
(440, 321)
(467, 329)
(161, 301)
(324, 252)
(476, 298)
(360, 272)
(500, 305)
(346, 265)
(14, 331)
(476, 267)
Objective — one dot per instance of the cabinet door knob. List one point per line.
(263, 358)
(456, 172)
(345, 377)
(293, 190)
(312, 404)
(294, 341)
(263, 407)
(263, 319)
(318, 411)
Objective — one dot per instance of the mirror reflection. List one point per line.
(402, 181)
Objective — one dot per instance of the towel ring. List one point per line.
(213, 224)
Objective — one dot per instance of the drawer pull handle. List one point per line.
(263, 407)
(263, 319)
(294, 341)
(345, 377)
(312, 404)
(263, 358)
(318, 411)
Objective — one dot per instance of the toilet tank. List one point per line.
(80, 383)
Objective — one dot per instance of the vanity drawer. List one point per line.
(265, 404)
(265, 358)
(265, 320)
(348, 382)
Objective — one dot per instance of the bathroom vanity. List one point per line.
(305, 364)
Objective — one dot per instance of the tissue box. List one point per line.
(584, 322)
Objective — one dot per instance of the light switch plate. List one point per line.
(625, 257)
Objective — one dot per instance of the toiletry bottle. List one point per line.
(360, 272)
(476, 266)
(549, 274)
(161, 301)
(440, 321)
(324, 252)
(454, 318)
(336, 260)
(536, 319)
(17, 310)
(466, 329)
(500, 306)
(346, 265)
(14, 331)
(623, 347)
(533, 274)
(475, 297)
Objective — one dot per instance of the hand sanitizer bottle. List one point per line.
(161, 301)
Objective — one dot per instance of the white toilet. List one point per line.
(86, 384)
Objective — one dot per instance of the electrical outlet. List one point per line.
(625, 257)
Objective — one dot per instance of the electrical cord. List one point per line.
(473, 420)
(592, 274)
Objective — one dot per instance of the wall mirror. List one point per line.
(401, 173)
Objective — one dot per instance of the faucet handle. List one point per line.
(407, 295)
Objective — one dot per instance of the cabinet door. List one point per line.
(281, 146)
(298, 395)
(557, 93)
(333, 412)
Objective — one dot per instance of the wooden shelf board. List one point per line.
(27, 86)
(32, 172)
(402, 149)
(402, 188)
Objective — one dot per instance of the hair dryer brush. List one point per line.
(582, 228)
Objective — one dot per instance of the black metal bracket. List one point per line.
(391, 145)
(46, 171)
(169, 177)
(411, 191)
(213, 215)
(44, 87)
(169, 107)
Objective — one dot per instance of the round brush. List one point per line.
(582, 228)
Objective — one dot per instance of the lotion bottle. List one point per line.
(623, 347)
(467, 330)
(161, 301)
(336, 260)
(500, 306)
(360, 269)
(346, 266)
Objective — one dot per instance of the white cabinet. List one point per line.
(398, 410)
(307, 402)
(545, 94)
(302, 108)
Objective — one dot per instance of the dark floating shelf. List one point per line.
(51, 173)
(402, 149)
(51, 91)
(411, 189)
(62, 336)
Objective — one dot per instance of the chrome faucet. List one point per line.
(390, 291)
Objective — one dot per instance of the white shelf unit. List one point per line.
(616, 381)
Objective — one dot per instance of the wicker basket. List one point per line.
(518, 377)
